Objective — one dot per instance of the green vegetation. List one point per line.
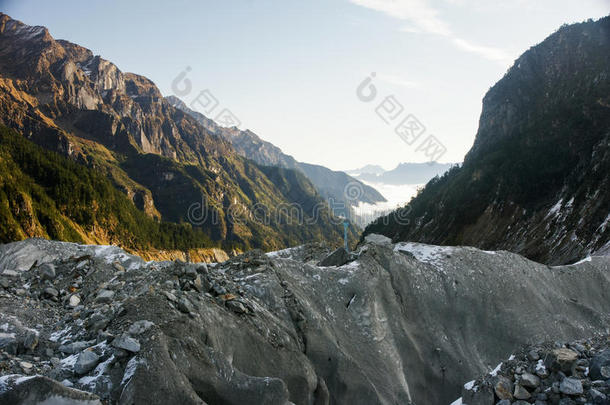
(45, 194)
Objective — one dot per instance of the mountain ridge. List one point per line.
(331, 184)
(536, 179)
(65, 99)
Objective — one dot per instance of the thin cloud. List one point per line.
(398, 81)
(423, 18)
(418, 12)
(487, 52)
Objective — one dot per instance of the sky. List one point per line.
(342, 83)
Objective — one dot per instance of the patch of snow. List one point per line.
(604, 225)
(282, 254)
(112, 254)
(469, 385)
(130, 369)
(89, 381)
(69, 362)
(496, 370)
(586, 259)
(343, 281)
(62, 334)
(29, 32)
(511, 358)
(457, 402)
(555, 208)
(351, 266)
(430, 254)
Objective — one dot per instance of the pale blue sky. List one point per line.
(289, 69)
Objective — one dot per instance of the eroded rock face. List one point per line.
(404, 323)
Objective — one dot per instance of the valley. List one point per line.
(151, 255)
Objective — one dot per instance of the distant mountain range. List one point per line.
(536, 180)
(404, 173)
(331, 184)
(117, 125)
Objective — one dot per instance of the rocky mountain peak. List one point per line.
(571, 61)
(536, 179)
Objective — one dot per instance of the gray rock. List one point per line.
(171, 297)
(8, 343)
(75, 347)
(398, 306)
(202, 268)
(47, 271)
(529, 380)
(533, 355)
(43, 390)
(503, 402)
(126, 343)
(480, 396)
(105, 296)
(503, 387)
(10, 273)
(74, 301)
(4, 282)
(190, 272)
(562, 359)
(578, 347)
(571, 386)
(236, 307)
(218, 289)
(597, 396)
(139, 327)
(521, 393)
(377, 239)
(185, 305)
(198, 284)
(30, 341)
(337, 258)
(599, 361)
(50, 292)
(86, 361)
(97, 322)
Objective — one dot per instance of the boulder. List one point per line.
(21, 390)
(139, 327)
(521, 393)
(86, 361)
(47, 271)
(503, 387)
(104, 296)
(529, 380)
(339, 257)
(8, 343)
(571, 386)
(126, 343)
(599, 361)
(377, 239)
(562, 359)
